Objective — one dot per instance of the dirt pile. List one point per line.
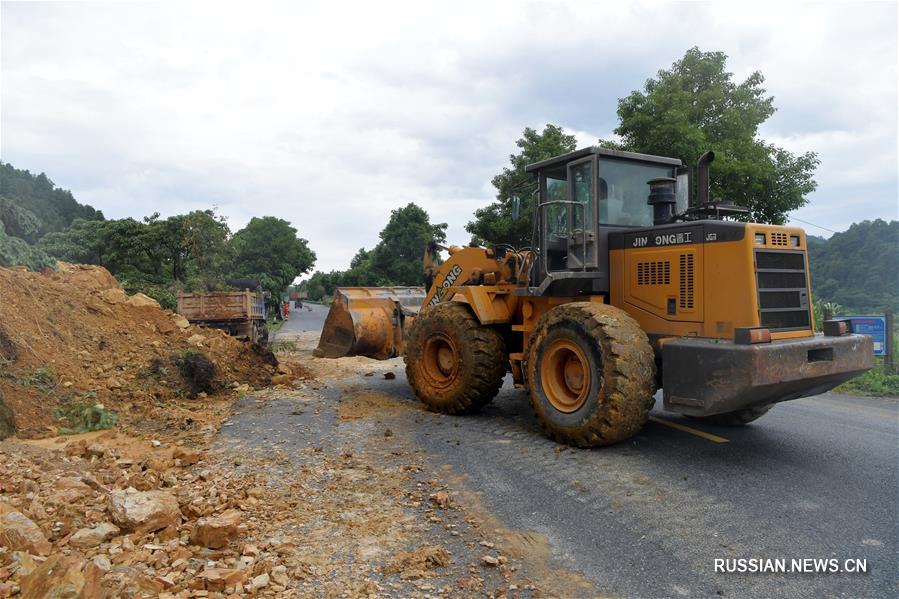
(72, 339)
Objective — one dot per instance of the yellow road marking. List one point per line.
(692, 431)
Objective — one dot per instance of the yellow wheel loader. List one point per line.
(628, 287)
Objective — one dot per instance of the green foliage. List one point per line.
(858, 268)
(395, 260)
(17, 252)
(494, 224)
(32, 206)
(877, 382)
(696, 106)
(42, 379)
(268, 249)
(85, 418)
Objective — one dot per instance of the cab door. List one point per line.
(582, 214)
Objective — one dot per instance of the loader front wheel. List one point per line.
(591, 373)
(454, 364)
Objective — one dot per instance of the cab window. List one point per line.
(624, 191)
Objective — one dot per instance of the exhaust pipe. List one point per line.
(702, 177)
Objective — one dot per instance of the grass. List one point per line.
(876, 382)
(288, 346)
(274, 325)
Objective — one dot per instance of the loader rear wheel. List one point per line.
(591, 373)
(737, 417)
(454, 364)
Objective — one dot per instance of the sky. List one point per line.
(330, 115)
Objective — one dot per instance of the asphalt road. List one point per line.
(814, 478)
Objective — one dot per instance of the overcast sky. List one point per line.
(331, 116)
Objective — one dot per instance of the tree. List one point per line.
(395, 260)
(858, 268)
(494, 224)
(268, 249)
(33, 206)
(397, 257)
(696, 106)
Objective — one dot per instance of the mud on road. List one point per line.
(370, 513)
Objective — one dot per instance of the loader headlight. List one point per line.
(760, 239)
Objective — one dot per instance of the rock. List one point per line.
(219, 578)
(197, 340)
(279, 575)
(214, 532)
(489, 560)
(95, 450)
(187, 457)
(143, 511)
(22, 563)
(19, 533)
(281, 379)
(57, 578)
(102, 562)
(260, 582)
(71, 482)
(389, 376)
(180, 321)
(139, 299)
(91, 537)
(116, 295)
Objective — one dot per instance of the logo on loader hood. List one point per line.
(448, 282)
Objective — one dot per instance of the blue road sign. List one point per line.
(875, 326)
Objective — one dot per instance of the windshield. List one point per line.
(624, 191)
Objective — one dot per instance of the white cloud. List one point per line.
(332, 115)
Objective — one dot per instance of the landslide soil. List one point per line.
(74, 336)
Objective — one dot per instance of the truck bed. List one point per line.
(219, 306)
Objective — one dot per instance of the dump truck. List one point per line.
(239, 313)
(630, 285)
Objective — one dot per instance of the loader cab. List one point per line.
(581, 198)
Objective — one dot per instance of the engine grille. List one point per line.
(782, 289)
(654, 273)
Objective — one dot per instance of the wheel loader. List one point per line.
(630, 285)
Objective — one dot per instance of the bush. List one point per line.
(196, 368)
(85, 418)
(877, 382)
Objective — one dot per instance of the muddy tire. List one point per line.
(735, 418)
(591, 373)
(454, 364)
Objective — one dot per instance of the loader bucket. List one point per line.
(368, 321)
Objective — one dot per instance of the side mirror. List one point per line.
(516, 207)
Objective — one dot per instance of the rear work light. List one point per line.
(751, 335)
(760, 239)
(837, 328)
(794, 241)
